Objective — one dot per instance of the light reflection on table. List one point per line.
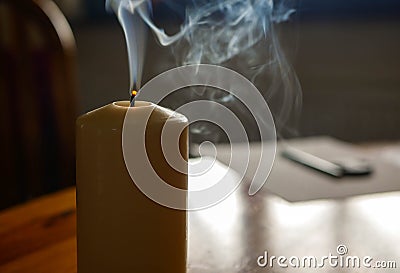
(231, 235)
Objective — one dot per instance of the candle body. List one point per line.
(119, 229)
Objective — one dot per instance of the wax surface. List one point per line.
(119, 229)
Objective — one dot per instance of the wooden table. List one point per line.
(39, 237)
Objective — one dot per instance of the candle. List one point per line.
(119, 229)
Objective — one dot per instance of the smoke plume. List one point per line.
(238, 34)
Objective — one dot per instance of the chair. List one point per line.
(37, 100)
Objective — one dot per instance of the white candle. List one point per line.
(120, 229)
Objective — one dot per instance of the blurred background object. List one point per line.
(38, 100)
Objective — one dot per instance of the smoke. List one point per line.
(238, 34)
(130, 14)
(218, 31)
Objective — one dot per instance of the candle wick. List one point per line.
(133, 96)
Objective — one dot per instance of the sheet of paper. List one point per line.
(295, 182)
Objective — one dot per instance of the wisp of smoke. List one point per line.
(238, 34)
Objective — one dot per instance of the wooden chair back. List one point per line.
(37, 100)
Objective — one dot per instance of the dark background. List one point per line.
(345, 53)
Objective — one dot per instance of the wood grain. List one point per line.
(39, 231)
(59, 257)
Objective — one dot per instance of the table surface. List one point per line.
(40, 236)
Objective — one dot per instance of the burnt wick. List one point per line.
(132, 99)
